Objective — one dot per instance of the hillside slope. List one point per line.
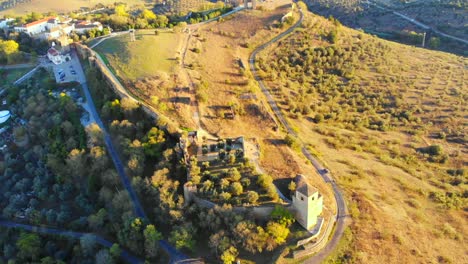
(390, 122)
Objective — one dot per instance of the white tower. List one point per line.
(308, 203)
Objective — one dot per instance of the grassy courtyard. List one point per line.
(148, 56)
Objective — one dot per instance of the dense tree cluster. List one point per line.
(230, 231)
(22, 247)
(239, 184)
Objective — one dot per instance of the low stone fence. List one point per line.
(314, 233)
(261, 212)
(317, 246)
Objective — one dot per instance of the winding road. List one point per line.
(326, 176)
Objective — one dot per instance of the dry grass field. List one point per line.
(370, 109)
(151, 70)
(218, 75)
(44, 6)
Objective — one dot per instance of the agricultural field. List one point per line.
(388, 121)
(44, 6)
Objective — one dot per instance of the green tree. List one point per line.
(153, 142)
(234, 174)
(282, 216)
(302, 6)
(103, 257)
(88, 244)
(278, 232)
(252, 197)
(29, 246)
(115, 251)
(152, 237)
(148, 15)
(182, 237)
(120, 10)
(292, 141)
(236, 188)
(229, 255)
(434, 42)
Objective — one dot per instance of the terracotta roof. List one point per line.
(53, 52)
(303, 187)
(44, 20)
(86, 24)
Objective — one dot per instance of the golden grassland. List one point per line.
(392, 188)
(221, 45)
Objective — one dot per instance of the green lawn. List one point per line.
(145, 57)
(8, 76)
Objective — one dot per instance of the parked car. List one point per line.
(73, 72)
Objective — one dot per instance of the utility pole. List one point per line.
(424, 39)
(132, 35)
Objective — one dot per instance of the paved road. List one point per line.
(174, 254)
(138, 209)
(340, 202)
(417, 23)
(27, 75)
(127, 256)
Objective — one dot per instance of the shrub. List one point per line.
(225, 196)
(236, 188)
(292, 142)
(252, 197)
(282, 216)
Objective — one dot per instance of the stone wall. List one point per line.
(261, 212)
(312, 248)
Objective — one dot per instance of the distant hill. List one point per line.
(388, 120)
(449, 16)
(22, 7)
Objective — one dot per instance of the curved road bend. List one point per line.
(340, 202)
(127, 256)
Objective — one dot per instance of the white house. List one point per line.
(38, 26)
(81, 27)
(4, 22)
(54, 56)
(307, 202)
(56, 32)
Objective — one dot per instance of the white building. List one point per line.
(55, 56)
(4, 22)
(307, 202)
(81, 27)
(39, 26)
(61, 30)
